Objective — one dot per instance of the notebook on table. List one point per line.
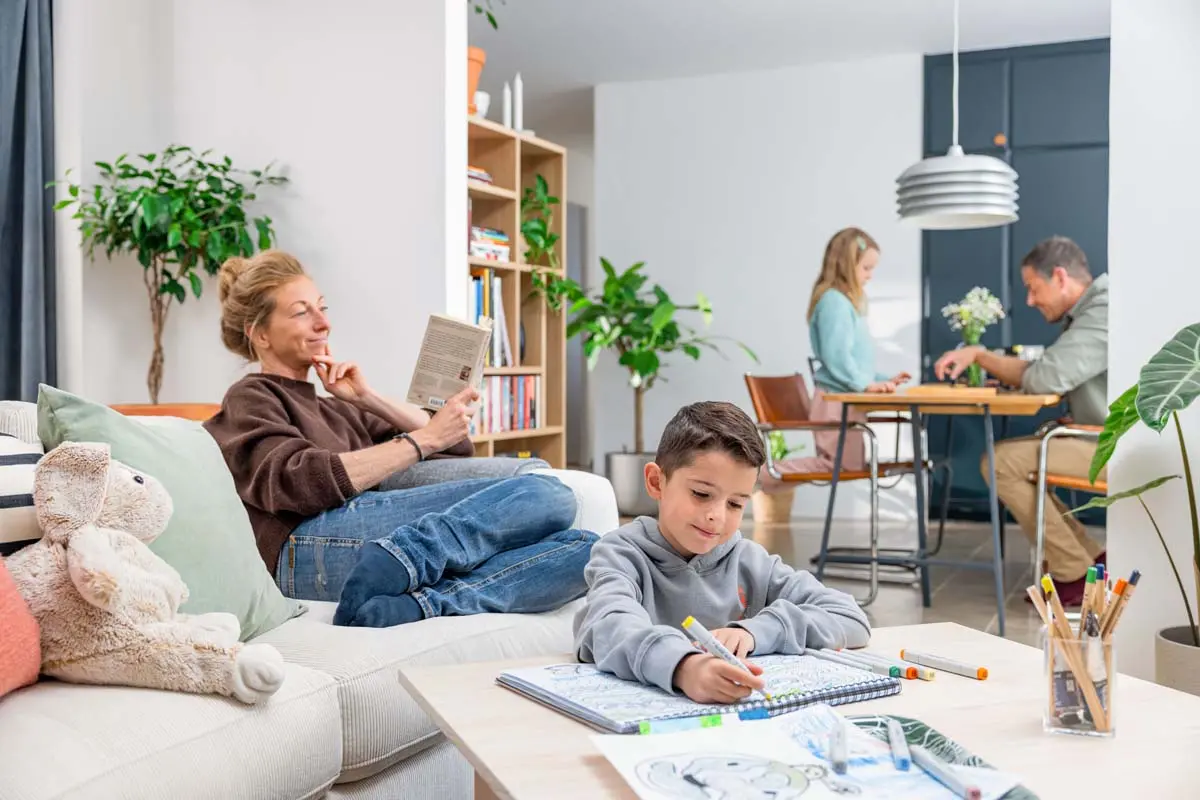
(608, 703)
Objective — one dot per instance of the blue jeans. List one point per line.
(500, 545)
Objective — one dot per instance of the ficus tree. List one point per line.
(181, 214)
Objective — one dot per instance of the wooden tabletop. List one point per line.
(949, 401)
(522, 750)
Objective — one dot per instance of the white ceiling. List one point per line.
(564, 47)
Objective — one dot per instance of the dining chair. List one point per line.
(1044, 479)
(781, 403)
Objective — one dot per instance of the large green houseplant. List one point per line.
(1167, 384)
(181, 213)
(641, 325)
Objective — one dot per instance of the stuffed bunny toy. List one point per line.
(107, 604)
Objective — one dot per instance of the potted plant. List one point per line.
(775, 506)
(477, 56)
(972, 315)
(640, 326)
(1167, 384)
(181, 214)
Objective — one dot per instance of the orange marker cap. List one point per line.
(981, 673)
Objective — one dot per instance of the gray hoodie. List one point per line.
(640, 590)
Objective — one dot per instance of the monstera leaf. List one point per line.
(1170, 380)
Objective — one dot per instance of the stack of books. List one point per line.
(489, 243)
(480, 174)
(485, 300)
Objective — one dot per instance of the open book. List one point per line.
(451, 358)
(609, 703)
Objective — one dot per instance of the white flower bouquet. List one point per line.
(973, 314)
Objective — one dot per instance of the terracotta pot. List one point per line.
(774, 508)
(1177, 660)
(476, 58)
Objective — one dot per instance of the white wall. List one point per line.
(731, 185)
(1153, 109)
(360, 105)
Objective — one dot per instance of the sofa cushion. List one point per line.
(18, 520)
(20, 638)
(209, 539)
(68, 742)
(19, 419)
(381, 723)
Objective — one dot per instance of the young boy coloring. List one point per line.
(647, 577)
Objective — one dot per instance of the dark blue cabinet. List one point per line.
(1049, 104)
(983, 112)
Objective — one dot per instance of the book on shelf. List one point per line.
(485, 300)
(489, 243)
(509, 403)
(452, 357)
(478, 174)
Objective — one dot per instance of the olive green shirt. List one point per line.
(1076, 365)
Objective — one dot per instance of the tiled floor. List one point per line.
(959, 595)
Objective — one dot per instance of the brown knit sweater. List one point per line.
(282, 443)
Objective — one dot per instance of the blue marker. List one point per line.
(900, 753)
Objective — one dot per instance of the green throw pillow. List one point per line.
(209, 539)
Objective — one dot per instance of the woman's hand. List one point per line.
(881, 387)
(899, 378)
(450, 425)
(344, 380)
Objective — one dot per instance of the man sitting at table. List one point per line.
(1060, 285)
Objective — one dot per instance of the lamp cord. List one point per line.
(955, 134)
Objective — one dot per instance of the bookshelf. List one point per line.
(533, 375)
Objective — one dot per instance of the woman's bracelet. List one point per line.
(408, 438)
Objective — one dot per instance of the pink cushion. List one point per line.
(20, 639)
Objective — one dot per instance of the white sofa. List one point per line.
(341, 726)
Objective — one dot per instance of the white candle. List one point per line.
(519, 103)
(507, 105)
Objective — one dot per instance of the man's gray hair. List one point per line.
(1058, 251)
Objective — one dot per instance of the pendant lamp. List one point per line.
(957, 191)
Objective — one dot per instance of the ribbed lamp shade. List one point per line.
(958, 191)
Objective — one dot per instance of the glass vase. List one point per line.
(975, 375)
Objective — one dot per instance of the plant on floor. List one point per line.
(638, 323)
(780, 449)
(971, 316)
(181, 213)
(1167, 384)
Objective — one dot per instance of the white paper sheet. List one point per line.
(784, 758)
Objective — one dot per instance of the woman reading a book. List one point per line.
(841, 343)
(320, 477)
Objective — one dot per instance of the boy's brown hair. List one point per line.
(707, 426)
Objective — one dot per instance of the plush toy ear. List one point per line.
(69, 485)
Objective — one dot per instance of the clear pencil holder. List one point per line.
(1080, 680)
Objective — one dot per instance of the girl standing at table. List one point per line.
(841, 343)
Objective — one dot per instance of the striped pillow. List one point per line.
(18, 523)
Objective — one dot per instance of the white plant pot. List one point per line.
(626, 472)
(1177, 660)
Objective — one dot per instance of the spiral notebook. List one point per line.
(608, 703)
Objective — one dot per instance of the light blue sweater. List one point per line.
(842, 342)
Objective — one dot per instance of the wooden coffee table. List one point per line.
(524, 751)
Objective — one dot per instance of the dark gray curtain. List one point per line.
(27, 325)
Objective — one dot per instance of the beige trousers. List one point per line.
(1068, 549)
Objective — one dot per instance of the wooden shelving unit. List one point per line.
(514, 162)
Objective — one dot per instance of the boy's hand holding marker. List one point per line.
(721, 674)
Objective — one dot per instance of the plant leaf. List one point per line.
(1122, 416)
(1170, 380)
(197, 284)
(1101, 501)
